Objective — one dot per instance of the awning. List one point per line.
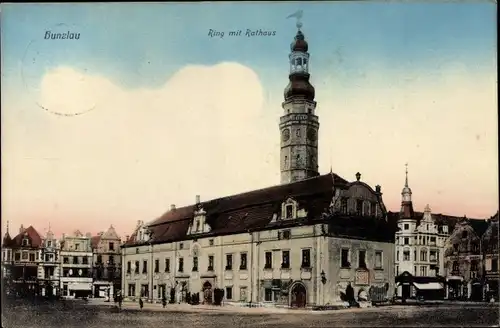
(428, 286)
(80, 286)
(454, 278)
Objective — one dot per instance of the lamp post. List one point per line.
(152, 265)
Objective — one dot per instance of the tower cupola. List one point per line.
(299, 124)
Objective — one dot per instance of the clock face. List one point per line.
(311, 134)
(286, 134)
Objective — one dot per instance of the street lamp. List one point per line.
(150, 242)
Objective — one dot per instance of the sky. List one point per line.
(145, 109)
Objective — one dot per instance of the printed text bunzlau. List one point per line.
(61, 36)
(248, 33)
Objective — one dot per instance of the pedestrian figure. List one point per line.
(164, 301)
(120, 302)
(141, 303)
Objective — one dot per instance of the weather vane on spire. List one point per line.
(298, 14)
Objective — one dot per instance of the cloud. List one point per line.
(211, 131)
(140, 150)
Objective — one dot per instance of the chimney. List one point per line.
(197, 199)
(63, 236)
(377, 189)
(126, 238)
(172, 207)
(21, 229)
(88, 235)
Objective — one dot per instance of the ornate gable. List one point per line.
(199, 223)
(359, 199)
(427, 223)
(143, 232)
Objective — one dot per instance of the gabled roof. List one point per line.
(33, 236)
(110, 234)
(247, 211)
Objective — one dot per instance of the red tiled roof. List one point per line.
(251, 210)
(33, 236)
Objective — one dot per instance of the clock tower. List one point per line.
(299, 125)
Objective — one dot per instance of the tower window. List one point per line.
(298, 132)
(286, 162)
(309, 111)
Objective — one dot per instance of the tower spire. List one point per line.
(7, 226)
(406, 202)
(406, 178)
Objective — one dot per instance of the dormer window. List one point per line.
(26, 242)
(464, 234)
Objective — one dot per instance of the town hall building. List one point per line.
(300, 243)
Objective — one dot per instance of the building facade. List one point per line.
(489, 242)
(106, 263)
(420, 241)
(464, 260)
(300, 243)
(49, 266)
(20, 257)
(76, 265)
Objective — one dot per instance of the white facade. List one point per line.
(49, 268)
(76, 265)
(419, 243)
(420, 248)
(248, 266)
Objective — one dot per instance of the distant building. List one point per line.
(464, 260)
(489, 242)
(419, 260)
(49, 266)
(106, 263)
(20, 256)
(439, 255)
(76, 265)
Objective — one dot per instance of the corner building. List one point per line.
(297, 244)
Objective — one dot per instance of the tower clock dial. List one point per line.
(286, 134)
(311, 134)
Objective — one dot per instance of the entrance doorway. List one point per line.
(207, 293)
(298, 296)
(405, 291)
